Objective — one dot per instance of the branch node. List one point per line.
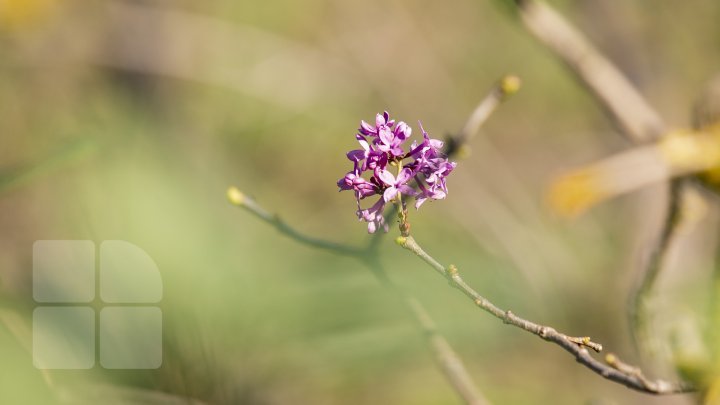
(587, 342)
(508, 316)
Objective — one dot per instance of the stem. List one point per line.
(237, 198)
(613, 369)
(642, 296)
(448, 360)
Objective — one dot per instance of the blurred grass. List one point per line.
(252, 317)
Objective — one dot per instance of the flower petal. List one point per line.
(366, 129)
(436, 143)
(386, 135)
(390, 193)
(403, 131)
(356, 155)
(380, 120)
(404, 176)
(407, 190)
(385, 176)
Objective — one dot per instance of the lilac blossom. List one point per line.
(374, 216)
(381, 154)
(394, 184)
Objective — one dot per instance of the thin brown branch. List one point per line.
(640, 123)
(635, 117)
(448, 360)
(577, 346)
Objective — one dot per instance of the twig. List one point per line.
(640, 298)
(456, 144)
(237, 198)
(635, 117)
(448, 360)
(574, 345)
(450, 363)
(446, 357)
(505, 87)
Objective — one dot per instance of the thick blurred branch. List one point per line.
(164, 40)
(613, 369)
(635, 117)
(446, 357)
(448, 360)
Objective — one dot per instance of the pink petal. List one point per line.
(356, 155)
(367, 127)
(372, 227)
(404, 176)
(407, 190)
(386, 136)
(386, 177)
(390, 193)
(380, 120)
(403, 130)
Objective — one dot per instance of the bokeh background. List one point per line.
(129, 119)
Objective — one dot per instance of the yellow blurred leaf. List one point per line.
(20, 13)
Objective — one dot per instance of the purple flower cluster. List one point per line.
(382, 150)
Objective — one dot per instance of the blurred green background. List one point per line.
(128, 120)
